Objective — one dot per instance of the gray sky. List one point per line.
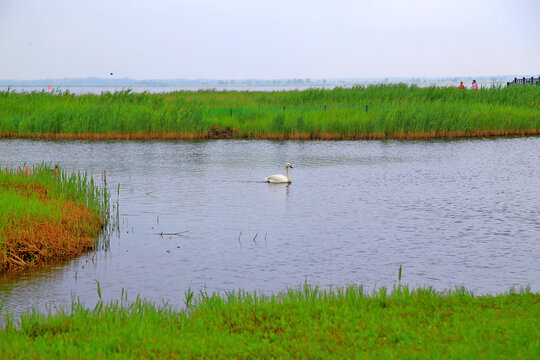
(160, 39)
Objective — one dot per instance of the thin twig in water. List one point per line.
(148, 193)
(239, 236)
(255, 237)
(265, 238)
(180, 233)
(169, 251)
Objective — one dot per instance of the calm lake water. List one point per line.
(454, 213)
(81, 90)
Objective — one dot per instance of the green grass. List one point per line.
(60, 186)
(389, 110)
(302, 323)
(46, 213)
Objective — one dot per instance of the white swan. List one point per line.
(281, 178)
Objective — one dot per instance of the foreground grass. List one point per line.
(47, 214)
(304, 323)
(382, 111)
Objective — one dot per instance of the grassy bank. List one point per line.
(47, 214)
(305, 323)
(374, 112)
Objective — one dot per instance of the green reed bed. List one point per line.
(46, 213)
(302, 323)
(357, 112)
(62, 186)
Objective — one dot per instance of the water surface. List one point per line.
(454, 213)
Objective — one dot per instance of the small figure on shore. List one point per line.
(474, 85)
(461, 86)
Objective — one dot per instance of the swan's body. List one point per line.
(277, 179)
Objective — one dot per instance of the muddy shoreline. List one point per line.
(230, 134)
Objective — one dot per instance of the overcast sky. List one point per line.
(220, 39)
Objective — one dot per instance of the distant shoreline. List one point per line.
(240, 87)
(124, 82)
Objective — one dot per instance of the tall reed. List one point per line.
(358, 112)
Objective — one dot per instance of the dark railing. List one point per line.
(524, 81)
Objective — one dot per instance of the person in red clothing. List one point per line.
(461, 86)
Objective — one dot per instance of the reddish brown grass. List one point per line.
(229, 134)
(30, 242)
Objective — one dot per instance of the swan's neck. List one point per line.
(287, 171)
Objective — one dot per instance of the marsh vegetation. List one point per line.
(306, 322)
(373, 112)
(46, 213)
